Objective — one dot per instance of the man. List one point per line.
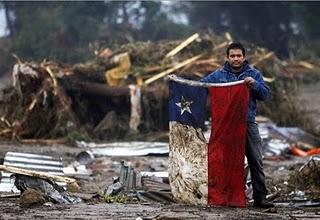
(237, 68)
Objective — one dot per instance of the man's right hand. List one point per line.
(250, 81)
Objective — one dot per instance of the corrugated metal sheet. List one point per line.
(132, 148)
(35, 162)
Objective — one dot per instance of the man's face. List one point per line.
(235, 58)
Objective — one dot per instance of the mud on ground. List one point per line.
(276, 174)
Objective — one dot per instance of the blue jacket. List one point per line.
(259, 91)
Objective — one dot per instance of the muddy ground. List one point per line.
(276, 173)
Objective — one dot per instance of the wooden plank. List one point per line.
(268, 55)
(71, 183)
(182, 45)
(268, 79)
(222, 45)
(43, 141)
(54, 80)
(306, 64)
(228, 36)
(168, 71)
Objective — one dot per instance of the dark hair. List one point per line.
(236, 45)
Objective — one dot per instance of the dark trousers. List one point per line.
(254, 156)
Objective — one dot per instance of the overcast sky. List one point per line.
(2, 23)
(178, 18)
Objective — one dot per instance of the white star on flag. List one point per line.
(184, 105)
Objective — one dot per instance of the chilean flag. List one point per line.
(201, 172)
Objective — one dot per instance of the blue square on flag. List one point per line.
(187, 104)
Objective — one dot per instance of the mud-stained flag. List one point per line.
(200, 172)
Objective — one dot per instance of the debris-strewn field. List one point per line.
(103, 124)
(122, 93)
(277, 172)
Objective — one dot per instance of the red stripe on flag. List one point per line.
(226, 149)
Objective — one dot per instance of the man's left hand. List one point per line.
(250, 81)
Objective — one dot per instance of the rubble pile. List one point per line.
(36, 106)
(123, 93)
(307, 177)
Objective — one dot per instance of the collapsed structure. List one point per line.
(123, 93)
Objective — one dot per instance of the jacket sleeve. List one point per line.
(260, 90)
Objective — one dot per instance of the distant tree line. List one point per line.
(66, 31)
